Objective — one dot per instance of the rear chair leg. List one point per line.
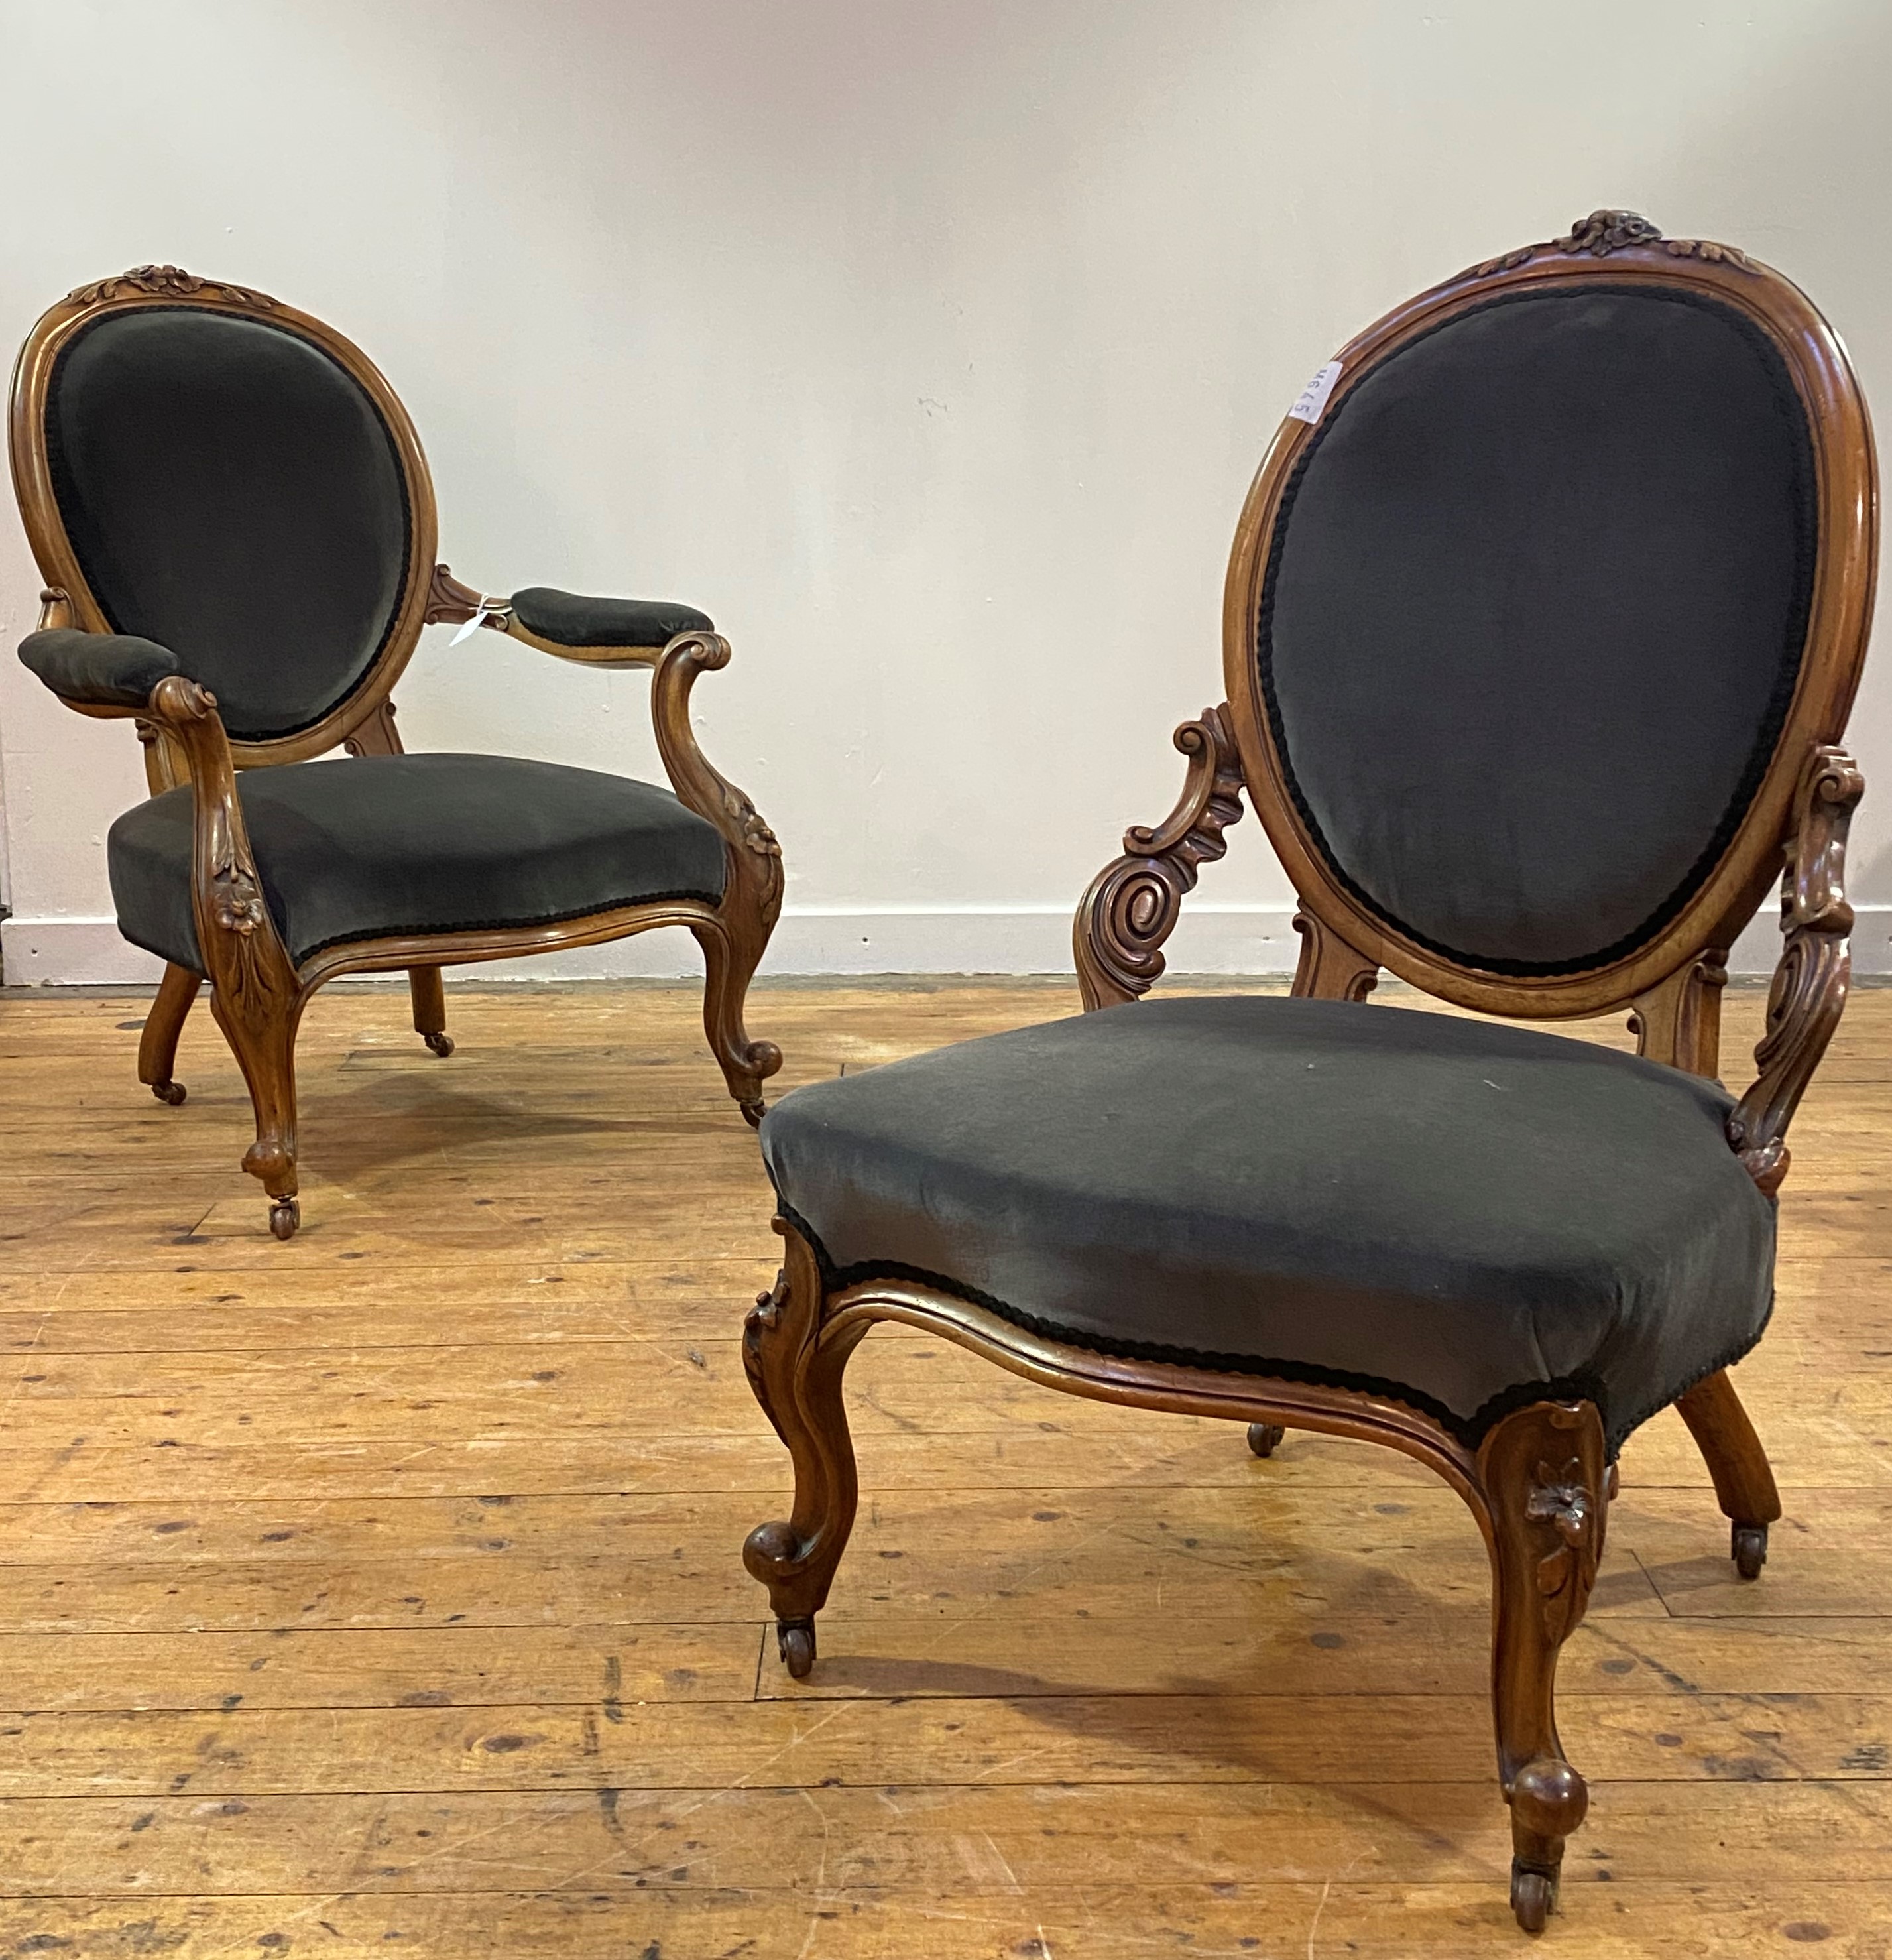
(157, 1045)
(1744, 1481)
(430, 1008)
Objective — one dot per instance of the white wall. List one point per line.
(929, 344)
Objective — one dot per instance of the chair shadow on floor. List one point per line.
(376, 1122)
(1450, 1824)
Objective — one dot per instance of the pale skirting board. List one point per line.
(811, 939)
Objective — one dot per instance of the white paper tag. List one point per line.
(1310, 403)
(472, 625)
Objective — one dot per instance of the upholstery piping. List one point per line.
(466, 925)
(1470, 1430)
(62, 488)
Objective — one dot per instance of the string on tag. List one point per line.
(473, 625)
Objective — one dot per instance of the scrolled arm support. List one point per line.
(755, 858)
(254, 993)
(1810, 982)
(1133, 904)
(235, 934)
(734, 942)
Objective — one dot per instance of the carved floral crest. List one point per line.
(165, 282)
(1603, 232)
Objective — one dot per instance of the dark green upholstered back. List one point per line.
(232, 492)
(1537, 599)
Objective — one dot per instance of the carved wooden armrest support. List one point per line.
(236, 935)
(1809, 983)
(1133, 904)
(450, 602)
(255, 993)
(56, 610)
(755, 858)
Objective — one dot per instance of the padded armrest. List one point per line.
(105, 669)
(569, 619)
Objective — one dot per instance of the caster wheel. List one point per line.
(1533, 1893)
(285, 1214)
(796, 1644)
(441, 1045)
(1265, 1438)
(172, 1092)
(1748, 1548)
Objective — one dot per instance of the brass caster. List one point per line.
(795, 1642)
(1533, 1893)
(441, 1045)
(285, 1214)
(172, 1092)
(1747, 1547)
(752, 1111)
(1265, 1438)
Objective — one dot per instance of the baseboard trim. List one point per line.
(71, 951)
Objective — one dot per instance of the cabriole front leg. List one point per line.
(729, 965)
(264, 1046)
(796, 1377)
(1542, 1476)
(254, 993)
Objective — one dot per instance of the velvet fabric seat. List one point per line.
(1460, 1215)
(384, 845)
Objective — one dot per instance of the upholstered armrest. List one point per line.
(570, 619)
(98, 670)
(595, 632)
(1810, 981)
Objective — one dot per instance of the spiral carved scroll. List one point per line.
(1133, 904)
(1809, 983)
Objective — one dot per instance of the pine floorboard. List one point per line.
(381, 1591)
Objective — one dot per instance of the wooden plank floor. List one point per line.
(380, 1591)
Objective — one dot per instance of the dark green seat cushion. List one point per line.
(381, 844)
(1465, 1215)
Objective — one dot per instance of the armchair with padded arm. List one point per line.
(235, 525)
(1538, 638)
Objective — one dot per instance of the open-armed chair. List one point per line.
(1543, 618)
(236, 525)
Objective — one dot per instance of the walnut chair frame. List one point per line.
(1540, 1483)
(257, 993)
